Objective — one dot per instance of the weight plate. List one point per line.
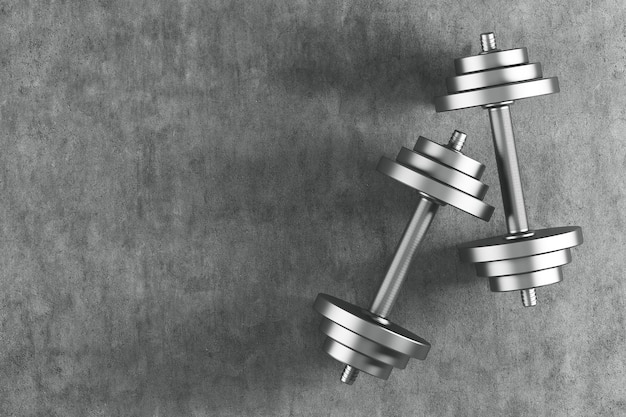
(492, 95)
(493, 77)
(360, 322)
(453, 159)
(442, 173)
(363, 363)
(491, 60)
(523, 281)
(435, 189)
(499, 247)
(364, 346)
(524, 265)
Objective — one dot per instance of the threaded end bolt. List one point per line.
(457, 140)
(529, 297)
(349, 375)
(488, 41)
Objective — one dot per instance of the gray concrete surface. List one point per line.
(181, 178)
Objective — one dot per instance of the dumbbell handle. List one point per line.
(508, 168)
(510, 181)
(396, 273)
(405, 252)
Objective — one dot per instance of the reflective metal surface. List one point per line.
(358, 360)
(405, 252)
(363, 345)
(493, 77)
(441, 192)
(488, 42)
(497, 94)
(365, 340)
(523, 281)
(508, 169)
(442, 173)
(453, 159)
(523, 265)
(499, 247)
(492, 60)
(523, 259)
(360, 321)
(529, 297)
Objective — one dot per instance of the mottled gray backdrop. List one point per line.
(179, 179)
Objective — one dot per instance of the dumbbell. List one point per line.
(523, 259)
(365, 340)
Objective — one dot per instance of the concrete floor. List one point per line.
(181, 178)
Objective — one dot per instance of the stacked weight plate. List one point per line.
(442, 174)
(494, 77)
(365, 340)
(518, 262)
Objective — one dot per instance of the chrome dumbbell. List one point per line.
(364, 340)
(523, 259)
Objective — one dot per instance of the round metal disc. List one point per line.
(364, 346)
(358, 321)
(499, 247)
(441, 192)
(453, 159)
(524, 265)
(523, 281)
(442, 173)
(494, 77)
(491, 95)
(361, 362)
(491, 60)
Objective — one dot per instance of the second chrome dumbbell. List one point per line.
(364, 340)
(523, 259)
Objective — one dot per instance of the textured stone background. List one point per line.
(181, 178)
